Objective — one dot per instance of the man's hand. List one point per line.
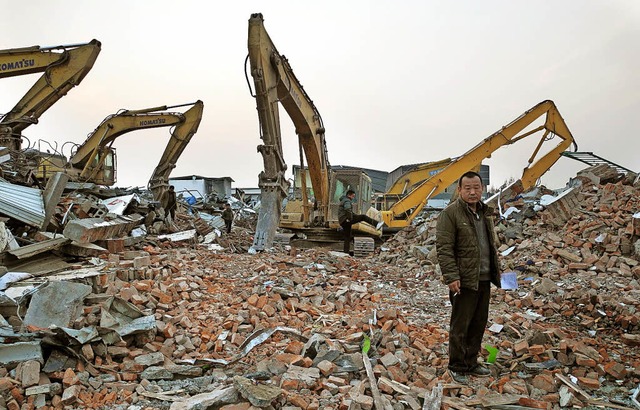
(455, 287)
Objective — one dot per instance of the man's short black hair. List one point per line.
(351, 191)
(469, 174)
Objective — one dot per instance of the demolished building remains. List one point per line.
(99, 312)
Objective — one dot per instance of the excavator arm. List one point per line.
(91, 159)
(410, 179)
(418, 174)
(406, 209)
(63, 68)
(180, 138)
(275, 83)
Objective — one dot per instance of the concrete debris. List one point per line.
(57, 303)
(215, 399)
(94, 229)
(15, 353)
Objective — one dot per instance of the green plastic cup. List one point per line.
(493, 353)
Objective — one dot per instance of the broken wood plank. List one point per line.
(39, 265)
(39, 247)
(455, 403)
(564, 379)
(377, 398)
(51, 195)
(500, 399)
(606, 404)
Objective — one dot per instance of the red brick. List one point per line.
(521, 347)
(588, 383)
(536, 349)
(288, 384)
(582, 360)
(545, 383)
(616, 370)
(298, 401)
(536, 404)
(294, 347)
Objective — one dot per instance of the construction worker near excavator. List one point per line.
(169, 202)
(468, 258)
(227, 217)
(346, 218)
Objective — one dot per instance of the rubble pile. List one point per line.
(189, 320)
(413, 248)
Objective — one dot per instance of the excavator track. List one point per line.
(363, 246)
(333, 239)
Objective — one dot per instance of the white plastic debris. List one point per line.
(117, 205)
(508, 251)
(545, 200)
(11, 277)
(509, 211)
(496, 328)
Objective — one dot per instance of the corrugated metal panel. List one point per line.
(22, 203)
(215, 221)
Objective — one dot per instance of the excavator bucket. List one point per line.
(268, 218)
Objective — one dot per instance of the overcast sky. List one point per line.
(395, 82)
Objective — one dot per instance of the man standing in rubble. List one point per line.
(169, 202)
(227, 217)
(468, 258)
(347, 218)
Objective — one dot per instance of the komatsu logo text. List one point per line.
(157, 121)
(16, 65)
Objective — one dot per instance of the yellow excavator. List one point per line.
(402, 212)
(410, 179)
(310, 212)
(63, 68)
(95, 160)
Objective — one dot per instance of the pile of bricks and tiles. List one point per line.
(107, 321)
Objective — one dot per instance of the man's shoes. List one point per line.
(459, 377)
(379, 225)
(480, 370)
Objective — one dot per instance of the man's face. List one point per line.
(351, 196)
(470, 190)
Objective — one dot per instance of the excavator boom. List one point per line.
(180, 138)
(94, 160)
(406, 209)
(275, 83)
(63, 68)
(416, 175)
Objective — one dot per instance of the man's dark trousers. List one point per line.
(346, 226)
(469, 315)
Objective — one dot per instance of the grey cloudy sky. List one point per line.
(395, 82)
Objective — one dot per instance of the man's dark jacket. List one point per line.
(457, 245)
(345, 210)
(227, 214)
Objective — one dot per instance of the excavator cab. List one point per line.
(343, 180)
(104, 164)
(304, 226)
(103, 167)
